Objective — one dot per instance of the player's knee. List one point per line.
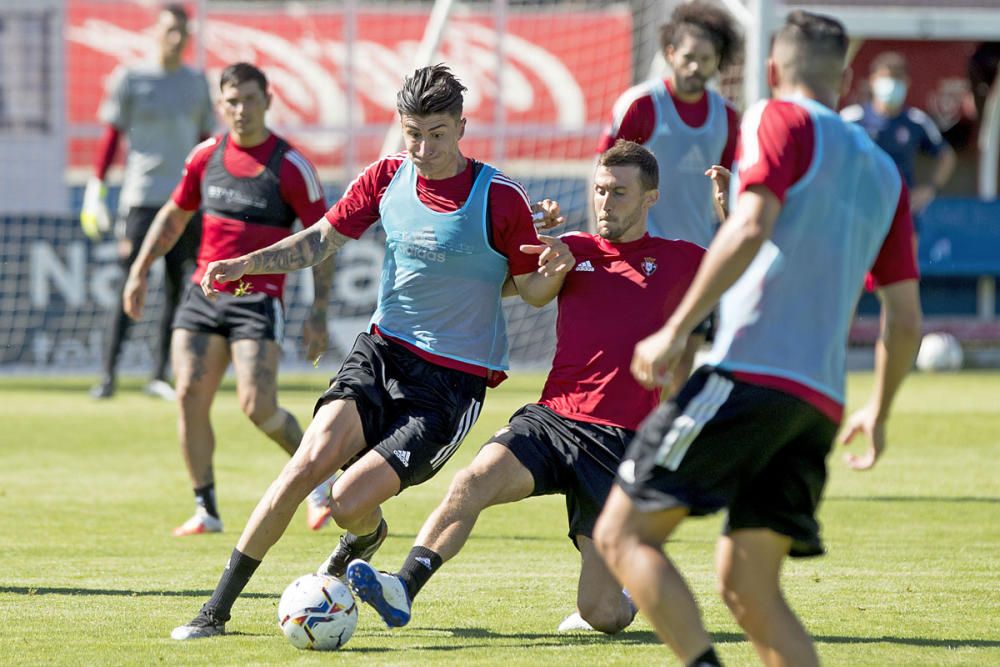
(603, 615)
(467, 491)
(261, 412)
(348, 511)
(742, 594)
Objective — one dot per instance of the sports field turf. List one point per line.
(89, 573)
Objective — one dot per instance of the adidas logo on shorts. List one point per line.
(403, 456)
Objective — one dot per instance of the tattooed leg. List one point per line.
(199, 362)
(256, 365)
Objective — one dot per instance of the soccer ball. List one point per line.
(317, 612)
(939, 352)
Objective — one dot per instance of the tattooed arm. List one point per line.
(307, 248)
(167, 227)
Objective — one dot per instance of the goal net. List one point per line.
(542, 78)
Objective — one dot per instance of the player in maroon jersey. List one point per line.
(571, 441)
(252, 186)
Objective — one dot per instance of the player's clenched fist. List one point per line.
(222, 271)
(546, 214)
(134, 295)
(554, 256)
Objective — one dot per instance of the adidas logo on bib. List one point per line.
(585, 266)
(403, 456)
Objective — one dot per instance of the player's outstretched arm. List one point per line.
(307, 248)
(166, 228)
(894, 353)
(554, 261)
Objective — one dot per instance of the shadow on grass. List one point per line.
(912, 499)
(489, 638)
(119, 592)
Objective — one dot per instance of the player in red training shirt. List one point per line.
(818, 205)
(414, 383)
(571, 441)
(690, 128)
(252, 186)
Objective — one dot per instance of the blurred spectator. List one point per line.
(902, 131)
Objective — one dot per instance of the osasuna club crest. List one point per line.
(648, 265)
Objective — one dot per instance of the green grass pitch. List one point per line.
(89, 573)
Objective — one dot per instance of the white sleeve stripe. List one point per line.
(625, 102)
(398, 157)
(208, 143)
(926, 122)
(497, 178)
(313, 187)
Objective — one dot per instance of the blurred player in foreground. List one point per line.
(818, 204)
(163, 109)
(252, 185)
(571, 441)
(414, 384)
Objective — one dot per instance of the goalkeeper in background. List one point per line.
(163, 108)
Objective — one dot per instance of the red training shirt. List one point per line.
(222, 238)
(617, 294)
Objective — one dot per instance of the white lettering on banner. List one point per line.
(48, 270)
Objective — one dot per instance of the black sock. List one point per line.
(420, 564)
(234, 579)
(706, 659)
(362, 542)
(204, 496)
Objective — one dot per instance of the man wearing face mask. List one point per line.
(902, 131)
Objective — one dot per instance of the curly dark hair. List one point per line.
(704, 20)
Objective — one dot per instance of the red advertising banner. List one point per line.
(545, 99)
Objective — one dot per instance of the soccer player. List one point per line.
(902, 131)
(687, 126)
(252, 185)
(818, 204)
(572, 440)
(163, 109)
(413, 385)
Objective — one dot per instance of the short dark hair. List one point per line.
(819, 35)
(238, 73)
(628, 153)
(177, 10)
(430, 90)
(888, 60)
(704, 20)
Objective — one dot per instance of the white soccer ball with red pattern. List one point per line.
(317, 613)
(939, 351)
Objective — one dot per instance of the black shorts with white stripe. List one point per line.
(723, 443)
(413, 412)
(253, 316)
